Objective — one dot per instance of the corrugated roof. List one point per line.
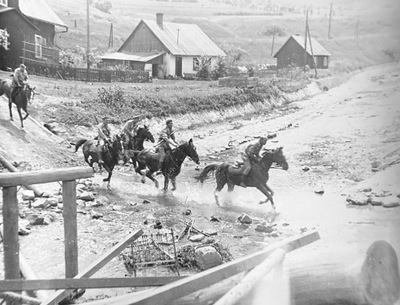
(191, 41)
(145, 57)
(318, 49)
(39, 9)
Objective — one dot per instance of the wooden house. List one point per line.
(31, 26)
(293, 53)
(165, 48)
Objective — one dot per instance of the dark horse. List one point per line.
(21, 99)
(111, 155)
(226, 173)
(149, 161)
(136, 143)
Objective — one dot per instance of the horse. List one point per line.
(136, 143)
(112, 153)
(226, 173)
(21, 99)
(149, 162)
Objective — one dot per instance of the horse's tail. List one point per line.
(79, 143)
(206, 171)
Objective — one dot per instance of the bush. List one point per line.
(204, 68)
(219, 69)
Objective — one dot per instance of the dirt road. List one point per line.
(336, 134)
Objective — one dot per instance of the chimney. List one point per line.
(160, 17)
(13, 3)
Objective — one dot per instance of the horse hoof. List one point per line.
(173, 189)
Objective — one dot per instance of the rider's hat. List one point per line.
(168, 121)
(22, 66)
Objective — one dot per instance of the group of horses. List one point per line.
(146, 163)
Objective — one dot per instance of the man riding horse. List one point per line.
(251, 153)
(130, 129)
(19, 81)
(166, 140)
(104, 137)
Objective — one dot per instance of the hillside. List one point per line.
(250, 26)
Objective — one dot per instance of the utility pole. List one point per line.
(312, 52)
(330, 21)
(111, 38)
(273, 39)
(305, 41)
(88, 42)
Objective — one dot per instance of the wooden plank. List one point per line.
(166, 294)
(243, 288)
(14, 298)
(28, 274)
(96, 265)
(45, 176)
(11, 168)
(86, 283)
(70, 229)
(10, 233)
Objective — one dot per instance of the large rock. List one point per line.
(87, 196)
(197, 238)
(40, 203)
(100, 201)
(52, 201)
(207, 257)
(390, 201)
(358, 199)
(264, 229)
(35, 220)
(244, 218)
(28, 195)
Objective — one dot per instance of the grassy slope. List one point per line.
(378, 29)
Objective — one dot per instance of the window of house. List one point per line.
(4, 38)
(38, 46)
(196, 64)
(3, 2)
(325, 61)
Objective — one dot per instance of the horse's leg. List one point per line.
(166, 182)
(220, 185)
(20, 116)
(10, 107)
(173, 181)
(109, 169)
(149, 175)
(26, 111)
(263, 189)
(269, 189)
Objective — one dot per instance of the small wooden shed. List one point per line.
(292, 52)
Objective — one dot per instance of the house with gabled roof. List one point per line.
(31, 27)
(293, 52)
(165, 48)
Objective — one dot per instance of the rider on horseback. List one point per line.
(251, 153)
(19, 80)
(166, 140)
(130, 129)
(104, 137)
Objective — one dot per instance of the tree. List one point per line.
(219, 69)
(103, 5)
(204, 68)
(234, 54)
(4, 39)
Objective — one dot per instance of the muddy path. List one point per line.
(336, 135)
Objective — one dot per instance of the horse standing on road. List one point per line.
(112, 154)
(226, 173)
(21, 99)
(149, 161)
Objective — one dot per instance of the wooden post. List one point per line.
(11, 168)
(254, 276)
(305, 42)
(70, 229)
(273, 40)
(312, 52)
(10, 238)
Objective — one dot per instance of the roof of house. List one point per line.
(141, 57)
(39, 9)
(182, 39)
(317, 48)
(4, 9)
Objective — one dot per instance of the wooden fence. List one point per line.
(49, 69)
